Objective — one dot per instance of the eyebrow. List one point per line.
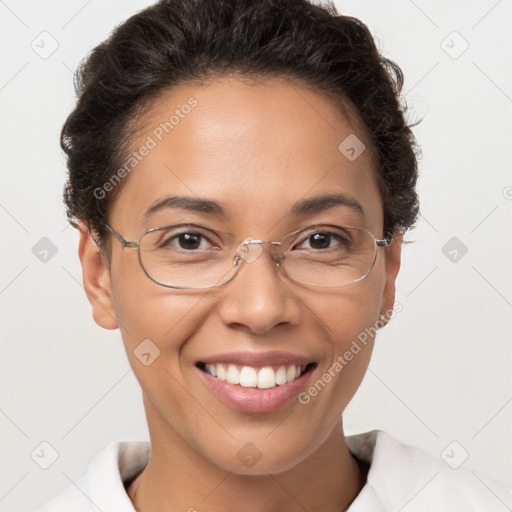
(309, 206)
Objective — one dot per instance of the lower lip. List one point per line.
(254, 400)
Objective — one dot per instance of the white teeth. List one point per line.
(281, 376)
(249, 377)
(221, 373)
(233, 375)
(266, 378)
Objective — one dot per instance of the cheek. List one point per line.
(146, 311)
(350, 321)
(155, 324)
(348, 311)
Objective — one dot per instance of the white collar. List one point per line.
(400, 476)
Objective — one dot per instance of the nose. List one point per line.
(257, 298)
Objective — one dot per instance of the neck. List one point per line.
(177, 478)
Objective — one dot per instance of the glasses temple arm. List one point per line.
(122, 239)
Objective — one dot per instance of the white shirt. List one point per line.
(400, 478)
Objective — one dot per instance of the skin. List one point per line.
(257, 149)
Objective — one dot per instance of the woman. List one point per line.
(242, 175)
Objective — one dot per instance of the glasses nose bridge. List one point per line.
(249, 254)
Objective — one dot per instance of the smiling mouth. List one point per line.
(264, 377)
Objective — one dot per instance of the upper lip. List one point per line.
(258, 358)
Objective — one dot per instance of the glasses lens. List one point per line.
(329, 256)
(186, 256)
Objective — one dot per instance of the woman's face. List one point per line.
(257, 151)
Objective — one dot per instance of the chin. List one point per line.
(258, 458)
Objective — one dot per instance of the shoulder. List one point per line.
(102, 486)
(404, 476)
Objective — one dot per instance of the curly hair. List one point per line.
(176, 42)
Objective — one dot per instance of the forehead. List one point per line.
(255, 147)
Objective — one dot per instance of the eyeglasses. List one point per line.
(186, 256)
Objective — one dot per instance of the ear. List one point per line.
(392, 263)
(96, 279)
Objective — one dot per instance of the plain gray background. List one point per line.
(440, 375)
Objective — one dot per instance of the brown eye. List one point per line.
(320, 240)
(323, 240)
(187, 241)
